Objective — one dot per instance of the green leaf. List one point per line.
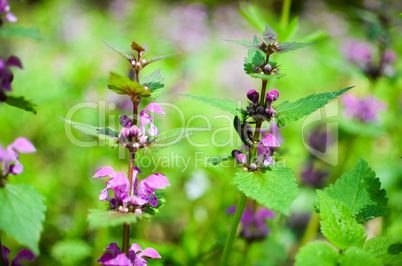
(171, 137)
(253, 15)
(246, 44)
(109, 135)
(291, 29)
(337, 224)
(154, 82)
(138, 48)
(289, 112)
(380, 247)
(361, 191)
(274, 188)
(129, 58)
(71, 251)
(123, 85)
(357, 256)
(267, 77)
(255, 58)
(157, 58)
(21, 214)
(359, 128)
(32, 33)
(100, 218)
(317, 253)
(291, 46)
(21, 103)
(224, 105)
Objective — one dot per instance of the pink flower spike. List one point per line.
(157, 181)
(150, 253)
(269, 141)
(23, 145)
(105, 171)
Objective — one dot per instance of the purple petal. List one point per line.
(153, 108)
(135, 247)
(120, 260)
(156, 181)
(150, 253)
(120, 186)
(264, 213)
(253, 96)
(114, 248)
(105, 257)
(23, 145)
(104, 195)
(16, 168)
(136, 171)
(24, 254)
(10, 17)
(153, 201)
(140, 261)
(231, 210)
(153, 131)
(269, 141)
(275, 94)
(5, 252)
(247, 216)
(241, 158)
(105, 171)
(14, 61)
(125, 121)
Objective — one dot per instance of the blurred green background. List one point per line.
(68, 65)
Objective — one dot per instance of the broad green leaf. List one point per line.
(357, 256)
(109, 135)
(337, 224)
(123, 85)
(71, 251)
(291, 46)
(21, 103)
(361, 191)
(32, 33)
(21, 214)
(154, 82)
(101, 218)
(380, 247)
(129, 58)
(317, 253)
(224, 105)
(255, 58)
(157, 58)
(289, 112)
(359, 128)
(267, 77)
(246, 44)
(274, 188)
(171, 137)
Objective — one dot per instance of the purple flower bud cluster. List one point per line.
(253, 223)
(135, 138)
(123, 200)
(6, 76)
(256, 110)
(268, 69)
(9, 163)
(5, 8)
(136, 256)
(23, 254)
(265, 151)
(364, 109)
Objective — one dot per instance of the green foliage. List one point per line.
(123, 85)
(274, 188)
(129, 58)
(21, 103)
(361, 191)
(224, 105)
(21, 214)
(337, 224)
(291, 46)
(156, 58)
(32, 33)
(109, 135)
(246, 44)
(291, 29)
(317, 253)
(71, 251)
(100, 218)
(289, 112)
(154, 82)
(267, 77)
(355, 255)
(139, 48)
(255, 58)
(253, 15)
(171, 137)
(381, 247)
(360, 128)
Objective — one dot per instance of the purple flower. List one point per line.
(5, 8)
(253, 96)
(9, 163)
(6, 76)
(364, 109)
(253, 223)
(146, 119)
(135, 256)
(312, 176)
(265, 149)
(319, 138)
(23, 254)
(120, 185)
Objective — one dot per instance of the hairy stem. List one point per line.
(233, 229)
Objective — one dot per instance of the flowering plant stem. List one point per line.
(233, 229)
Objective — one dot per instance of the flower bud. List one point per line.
(235, 153)
(275, 71)
(143, 139)
(125, 132)
(138, 211)
(260, 110)
(275, 94)
(253, 96)
(134, 131)
(253, 166)
(257, 70)
(241, 158)
(267, 68)
(270, 112)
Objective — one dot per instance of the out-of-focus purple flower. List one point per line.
(319, 138)
(253, 224)
(364, 109)
(136, 256)
(120, 185)
(6, 76)
(23, 254)
(312, 176)
(9, 163)
(5, 8)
